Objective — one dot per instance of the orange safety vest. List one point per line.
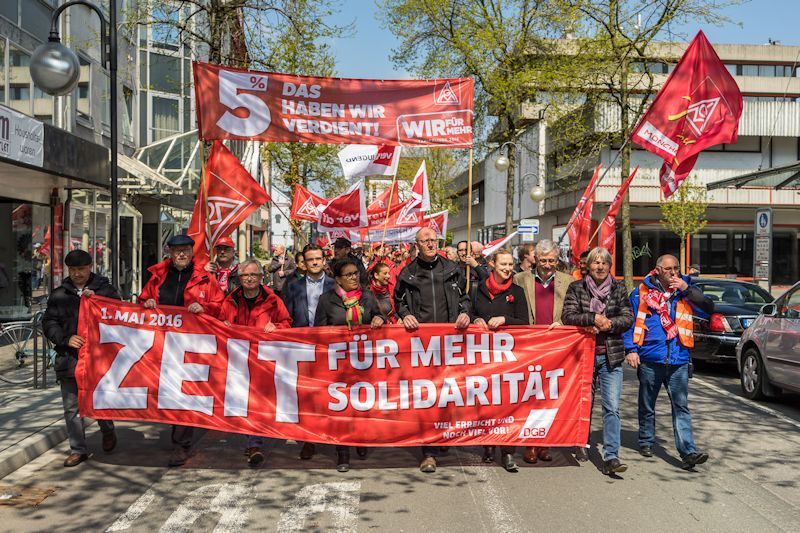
(683, 319)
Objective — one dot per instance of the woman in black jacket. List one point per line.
(348, 305)
(600, 304)
(498, 302)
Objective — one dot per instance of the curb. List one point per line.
(34, 445)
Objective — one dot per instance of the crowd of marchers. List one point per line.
(650, 329)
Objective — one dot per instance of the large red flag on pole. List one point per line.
(699, 106)
(231, 195)
(306, 204)
(575, 225)
(608, 228)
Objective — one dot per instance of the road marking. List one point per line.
(133, 512)
(231, 501)
(340, 499)
(504, 519)
(750, 403)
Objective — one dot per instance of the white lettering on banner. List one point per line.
(286, 355)
(135, 342)
(502, 346)
(301, 90)
(432, 127)
(175, 370)
(312, 109)
(385, 353)
(258, 115)
(301, 125)
(340, 500)
(538, 423)
(650, 134)
(237, 379)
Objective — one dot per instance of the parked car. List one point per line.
(768, 354)
(736, 306)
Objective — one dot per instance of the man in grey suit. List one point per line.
(545, 288)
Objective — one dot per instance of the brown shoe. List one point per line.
(109, 441)
(254, 456)
(530, 455)
(74, 459)
(307, 451)
(544, 454)
(428, 465)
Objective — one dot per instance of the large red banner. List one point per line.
(363, 387)
(267, 106)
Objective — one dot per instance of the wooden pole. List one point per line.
(469, 212)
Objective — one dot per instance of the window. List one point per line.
(164, 32)
(35, 18)
(10, 10)
(19, 80)
(166, 117)
(165, 73)
(749, 70)
(767, 71)
(732, 69)
(85, 90)
(476, 196)
(127, 113)
(790, 306)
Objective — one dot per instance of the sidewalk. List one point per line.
(31, 421)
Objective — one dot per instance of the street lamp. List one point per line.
(537, 194)
(502, 163)
(55, 70)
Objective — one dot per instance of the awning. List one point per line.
(136, 168)
(782, 177)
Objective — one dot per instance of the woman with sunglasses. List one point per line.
(348, 305)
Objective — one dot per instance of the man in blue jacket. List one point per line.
(658, 347)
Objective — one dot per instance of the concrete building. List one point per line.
(769, 136)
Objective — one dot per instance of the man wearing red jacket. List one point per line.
(181, 282)
(257, 306)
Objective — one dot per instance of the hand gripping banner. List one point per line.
(267, 106)
(384, 387)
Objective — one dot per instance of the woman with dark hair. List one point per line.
(348, 305)
(300, 262)
(498, 302)
(380, 284)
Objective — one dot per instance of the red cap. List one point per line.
(225, 241)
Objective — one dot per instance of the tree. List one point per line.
(614, 40)
(685, 213)
(489, 40)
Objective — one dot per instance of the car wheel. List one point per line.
(752, 375)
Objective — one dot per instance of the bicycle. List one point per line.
(25, 339)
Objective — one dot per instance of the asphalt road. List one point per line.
(751, 483)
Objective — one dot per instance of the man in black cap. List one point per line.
(179, 281)
(341, 250)
(60, 325)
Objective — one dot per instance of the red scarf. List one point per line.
(496, 288)
(354, 313)
(224, 274)
(377, 288)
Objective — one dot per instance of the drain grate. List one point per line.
(23, 496)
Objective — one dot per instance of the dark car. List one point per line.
(736, 306)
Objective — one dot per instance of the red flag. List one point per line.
(419, 188)
(575, 230)
(305, 204)
(346, 211)
(493, 246)
(231, 196)
(376, 211)
(699, 106)
(608, 228)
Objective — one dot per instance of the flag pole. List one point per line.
(612, 201)
(469, 212)
(388, 208)
(204, 196)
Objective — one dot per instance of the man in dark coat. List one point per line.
(60, 325)
(342, 248)
(282, 268)
(431, 289)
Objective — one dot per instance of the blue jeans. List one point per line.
(676, 380)
(610, 381)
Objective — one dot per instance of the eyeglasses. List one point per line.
(182, 251)
(250, 275)
(349, 274)
(428, 241)
(670, 269)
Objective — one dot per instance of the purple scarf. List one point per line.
(599, 294)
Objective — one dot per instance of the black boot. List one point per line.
(488, 454)
(343, 460)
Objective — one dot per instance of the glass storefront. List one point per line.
(89, 216)
(25, 270)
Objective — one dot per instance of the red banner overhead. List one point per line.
(244, 104)
(363, 387)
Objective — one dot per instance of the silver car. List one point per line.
(768, 354)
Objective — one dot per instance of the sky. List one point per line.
(366, 53)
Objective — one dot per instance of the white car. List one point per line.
(768, 354)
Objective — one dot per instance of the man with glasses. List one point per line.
(225, 268)
(470, 255)
(302, 297)
(431, 289)
(254, 305)
(281, 267)
(179, 281)
(545, 289)
(657, 346)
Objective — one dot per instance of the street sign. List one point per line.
(762, 256)
(528, 226)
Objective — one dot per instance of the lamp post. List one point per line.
(55, 69)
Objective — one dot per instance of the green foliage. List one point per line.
(684, 213)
